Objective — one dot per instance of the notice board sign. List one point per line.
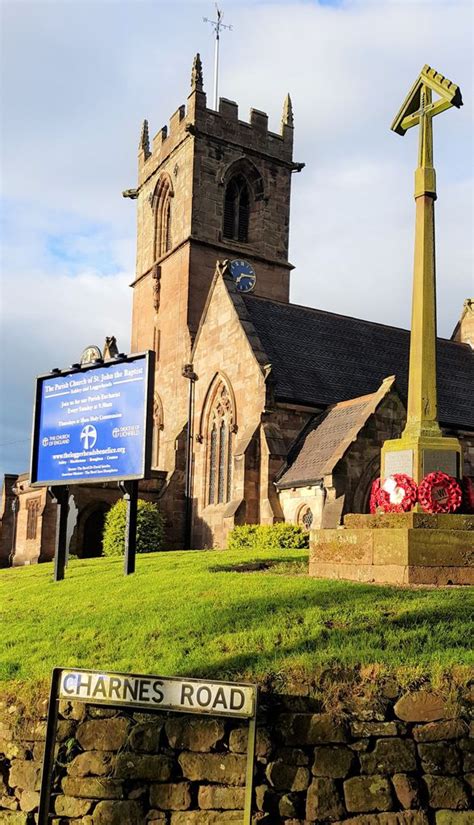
(153, 694)
(93, 424)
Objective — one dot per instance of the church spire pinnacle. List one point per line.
(287, 116)
(196, 74)
(144, 144)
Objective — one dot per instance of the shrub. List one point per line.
(150, 528)
(268, 537)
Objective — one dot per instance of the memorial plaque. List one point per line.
(440, 461)
(398, 461)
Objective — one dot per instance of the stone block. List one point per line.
(199, 735)
(311, 729)
(454, 817)
(213, 767)
(439, 757)
(156, 768)
(71, 806)
(13, 818)
(8, 803)
(368, 793)
(407, 790)
(362, 729)
(103, 734)
(171, 796)
(238, 741)
(92, 763)
(118, 813)
(29, 800)
(285, 777)
(323, 801)
(437, 731)
(421, 706)
(287, 807)
(25, 774)
(145, 737)
(292, 756)
(389, 756)
(72, 710)
(92, 787)
(206, 818)
(395, 818)
(211, 797)
(446, 792)
(332, 761)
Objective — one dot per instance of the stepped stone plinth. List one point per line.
(396, 548)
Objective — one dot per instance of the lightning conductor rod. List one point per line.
(217, 25)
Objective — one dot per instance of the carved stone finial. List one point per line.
(287, 116)
(196, 74)
(110, 348)
(145, 140)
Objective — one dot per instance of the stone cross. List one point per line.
(422, 437)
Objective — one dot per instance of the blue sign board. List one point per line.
(92, 424)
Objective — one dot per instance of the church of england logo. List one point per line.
(88, 436)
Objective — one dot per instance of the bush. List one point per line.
(150, 528)
(268, 537)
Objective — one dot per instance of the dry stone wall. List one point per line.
(389, 758)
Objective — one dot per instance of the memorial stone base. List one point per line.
(396, 548)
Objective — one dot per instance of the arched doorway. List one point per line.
(92, 534)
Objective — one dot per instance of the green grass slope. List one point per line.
(199, 614)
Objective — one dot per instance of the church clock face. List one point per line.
(243, 275)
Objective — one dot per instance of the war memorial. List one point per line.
(373, 469)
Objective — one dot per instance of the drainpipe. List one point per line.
(15, 508)
(189, 373)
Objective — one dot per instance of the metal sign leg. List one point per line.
(131, 497)
(48, 759)
(250, 770)
(60, 495)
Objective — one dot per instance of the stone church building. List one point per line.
(264, 411)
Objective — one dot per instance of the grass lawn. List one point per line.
(193, 613)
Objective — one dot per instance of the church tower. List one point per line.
(210, 187)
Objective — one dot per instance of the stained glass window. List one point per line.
(219, 455)
(212, 465)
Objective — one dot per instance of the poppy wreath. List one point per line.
(374, 493)
(439, 493)
(397, 495)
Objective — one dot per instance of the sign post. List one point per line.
(60, 496)
(152, 694)
(93, 423)
(130, 491)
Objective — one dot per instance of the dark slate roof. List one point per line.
(319, 358)
(326, 438)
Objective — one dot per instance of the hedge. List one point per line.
(150, 528)
(268, 537)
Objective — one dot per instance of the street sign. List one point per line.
(158, 693)
(93, 424)
(151, 694)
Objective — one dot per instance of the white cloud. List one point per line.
(81, 77)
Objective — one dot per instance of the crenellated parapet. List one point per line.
(196, 119)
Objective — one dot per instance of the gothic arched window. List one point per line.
(237, 209)
(220, 427)
(305, 517)
(163, 217)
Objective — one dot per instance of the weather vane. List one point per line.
(217, 26)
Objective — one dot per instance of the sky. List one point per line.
(79, 76)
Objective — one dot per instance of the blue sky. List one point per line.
(79, 77)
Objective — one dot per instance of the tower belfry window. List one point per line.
(237, 209)
(163, 217)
